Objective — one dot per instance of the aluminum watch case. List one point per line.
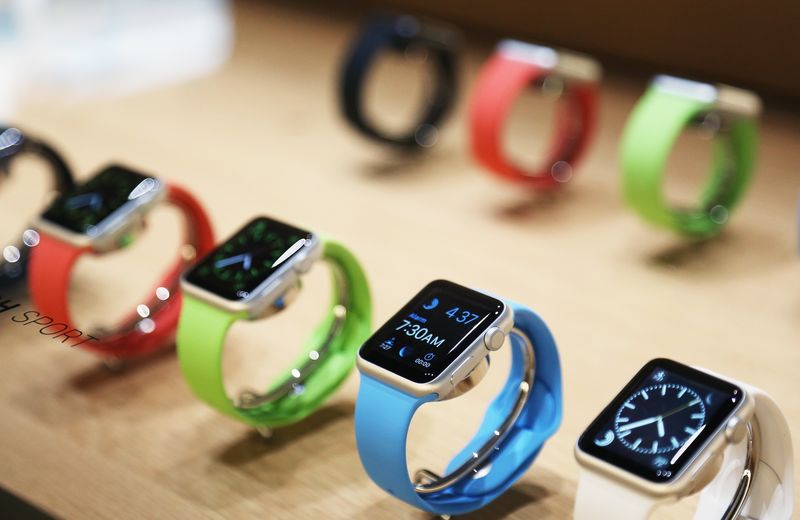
(701, 468)
(472, 359)
(272, 294)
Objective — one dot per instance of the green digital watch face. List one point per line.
(86, 207)
(235, 269)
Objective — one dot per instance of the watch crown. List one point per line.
(735, 430)
(494, 338)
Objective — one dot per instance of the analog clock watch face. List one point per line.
(84, 208)
(659, 418)
(235, 269)
(662, 418)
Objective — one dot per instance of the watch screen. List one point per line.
(246, 260)
(422, 340)
(84, 208)
(660, 420)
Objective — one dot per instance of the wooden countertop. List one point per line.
(264, 136)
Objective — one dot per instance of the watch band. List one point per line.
(383, 416)
(51, 266)
(400, 33)
(500, 82)
(648, 137)
(201, 338)
(14, 143)
(771, 495)
(771, 492)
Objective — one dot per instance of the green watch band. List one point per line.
(201, 336)
(649, 135)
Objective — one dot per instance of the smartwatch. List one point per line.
(13, 144)
(670, 105)
(401, 34)
(675, 430)
(252, 275)
(435, 348)
(513, 67)
(102, 215)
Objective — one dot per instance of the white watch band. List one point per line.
(771, 494)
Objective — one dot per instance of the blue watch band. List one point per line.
(383, 415)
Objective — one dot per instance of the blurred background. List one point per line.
(734, 42)
(82, 48)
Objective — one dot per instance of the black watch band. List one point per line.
(398, 34)
(14, 143)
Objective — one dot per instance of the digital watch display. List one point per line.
(430, 332)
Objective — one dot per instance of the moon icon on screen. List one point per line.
(605, 441)
(432, 305)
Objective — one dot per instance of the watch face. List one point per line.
(660, 420)
(86, 207)
(235, 269)
(421, 341)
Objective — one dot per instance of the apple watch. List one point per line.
(435, 348)
(102, 215)
(252, 275)
(514, 67)
(14, 144)
(675, 430)
(401, 34)
(667, 108)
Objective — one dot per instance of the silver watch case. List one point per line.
(698, 472)
(724, 99)
(273, 293)
(109, 234)
(568, 65)
(460, 369)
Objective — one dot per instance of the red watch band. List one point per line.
(51, 265)
(499, 83)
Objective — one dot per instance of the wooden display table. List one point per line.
(264, 135)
